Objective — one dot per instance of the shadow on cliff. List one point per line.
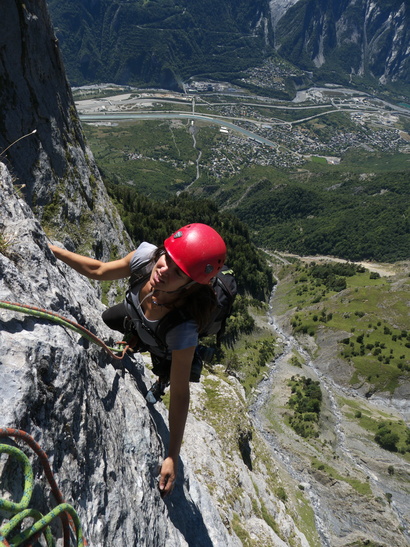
(182, 511)
(135, 371)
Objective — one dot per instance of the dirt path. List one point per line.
(385, 270)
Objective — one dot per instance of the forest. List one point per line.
(158, 43)
(147, 220)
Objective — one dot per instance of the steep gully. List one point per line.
(290, 460)
(287, 459)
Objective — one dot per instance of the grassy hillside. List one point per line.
(130, 153)
(364, 315)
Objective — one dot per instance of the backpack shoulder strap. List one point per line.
(159, 334)
(171, 320)
(137, 276)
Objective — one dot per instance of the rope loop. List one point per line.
(20, 510)
(28, 480)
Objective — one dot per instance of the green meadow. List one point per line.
(371, 314)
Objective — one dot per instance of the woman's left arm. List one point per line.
(92, 268)
(178, 411)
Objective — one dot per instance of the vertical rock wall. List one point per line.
(103, 440)
(91, 419)
(53, 167)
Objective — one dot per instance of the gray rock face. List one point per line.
(90, 416)
(356, 36)
(279, 8)
(36, 95)
(53, 163)
(104, 442)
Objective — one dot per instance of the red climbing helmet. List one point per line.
(198, 250)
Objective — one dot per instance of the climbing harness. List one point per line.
(21, 511)
(122, 348)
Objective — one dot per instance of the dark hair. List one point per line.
(198, 301)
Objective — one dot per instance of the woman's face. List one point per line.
(166, 276)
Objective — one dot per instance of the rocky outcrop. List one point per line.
(278, 8)
(103, 440)
(54, 162)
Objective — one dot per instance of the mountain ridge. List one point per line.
(361, 39)
(157, 43)
(166, 44)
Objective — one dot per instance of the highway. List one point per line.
(122, 116)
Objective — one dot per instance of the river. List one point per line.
(288, 459)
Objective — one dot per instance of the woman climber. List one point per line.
(168, 281)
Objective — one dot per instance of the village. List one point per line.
(260, 130)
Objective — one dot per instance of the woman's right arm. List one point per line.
(92, 268)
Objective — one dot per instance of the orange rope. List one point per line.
(46, 314)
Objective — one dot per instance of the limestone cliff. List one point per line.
(356, 38)
(54, 162)
(102, 439)
(88, 413)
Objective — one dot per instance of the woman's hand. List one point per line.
(168, 476)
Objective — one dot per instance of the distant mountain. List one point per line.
(348, 40)
(160, 42)
(164, 42)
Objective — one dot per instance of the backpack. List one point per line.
(225, 287)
